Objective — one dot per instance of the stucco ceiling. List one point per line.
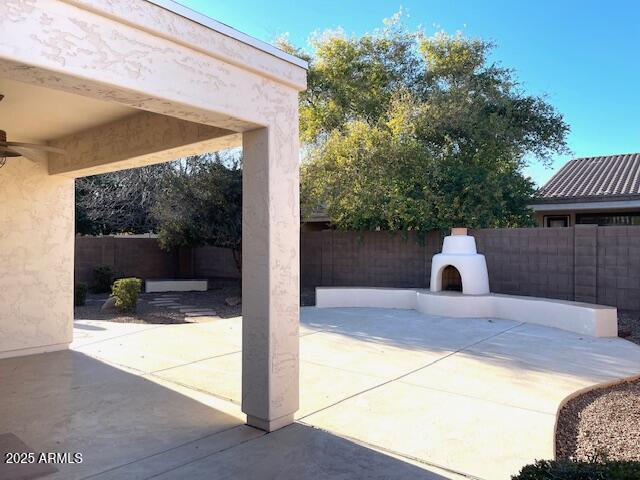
(30, 113)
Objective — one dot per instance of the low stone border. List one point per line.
(161, 286)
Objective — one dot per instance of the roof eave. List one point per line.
(617, 204)
(589, 199)
(223, 29)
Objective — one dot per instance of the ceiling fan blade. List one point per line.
(34, 156)
(35, 146)
(8, 152)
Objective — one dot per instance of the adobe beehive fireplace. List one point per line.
(459, 251)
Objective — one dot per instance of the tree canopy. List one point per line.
(189, 202)
(400, 131)
(403, 131)
(118, 202)
(200, 203)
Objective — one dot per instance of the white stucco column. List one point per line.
(36, 259)
(270, 274)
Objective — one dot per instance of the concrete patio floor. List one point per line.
(384, 394)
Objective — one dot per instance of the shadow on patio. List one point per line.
(422, 387)
(524, 348)
(130, 426)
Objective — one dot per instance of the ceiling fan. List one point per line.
(20, 149)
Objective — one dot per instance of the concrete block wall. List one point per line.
(585, 263)
(618, 266)
(135, 257)
(585, 272)
(143, 258)
(210, 262)
(380, 259)
(529, 261)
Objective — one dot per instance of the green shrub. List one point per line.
(102, 279)
(126, 292)
(80, 294)
(574, 470)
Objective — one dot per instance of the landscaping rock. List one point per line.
(629, 325)
(233, 301)
(604, 421)
(109, 305)
(624, 332)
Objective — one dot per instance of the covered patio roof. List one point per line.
(119, 84)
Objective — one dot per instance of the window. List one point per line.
(556, 221)
(609, 219)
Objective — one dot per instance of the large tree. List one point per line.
(118, 202)
(189, 202)
(404, 131)
(200, 203)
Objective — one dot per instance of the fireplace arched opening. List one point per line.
(451, 279)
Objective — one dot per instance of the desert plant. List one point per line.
(126, 292)
(576, 470)
(80, 294)
(102, 279)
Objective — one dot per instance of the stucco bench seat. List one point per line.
(583, 318)
(172, 285)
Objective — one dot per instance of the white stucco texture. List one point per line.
(191, 89)
(36, 259)
(460, 251)
(582, 318)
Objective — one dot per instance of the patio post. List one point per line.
(270, 275)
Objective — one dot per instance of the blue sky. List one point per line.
(584, 55)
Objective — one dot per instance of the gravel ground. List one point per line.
(213, 299)
(605, 422)
(629, 325)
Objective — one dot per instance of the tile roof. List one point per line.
(611, 177)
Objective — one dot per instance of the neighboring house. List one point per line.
(592, 190)
(318, 220)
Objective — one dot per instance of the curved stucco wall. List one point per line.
(582, 318)
(36, 255)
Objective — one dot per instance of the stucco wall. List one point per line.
(36, 254)
(135, 54)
